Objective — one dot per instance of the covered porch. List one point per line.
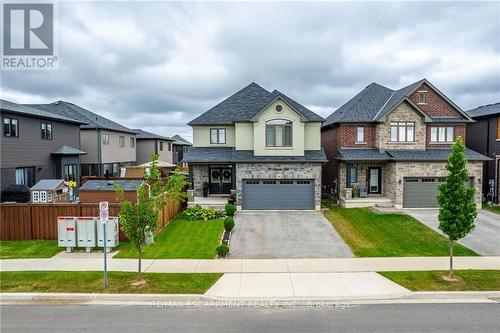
(212, 181)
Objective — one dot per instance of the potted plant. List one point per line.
(205, 189)
(231, 199)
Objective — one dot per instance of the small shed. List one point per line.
(93, 191)
(138, 170)
(50, 190)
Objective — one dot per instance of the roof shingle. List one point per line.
(35, 112)
(485, 110)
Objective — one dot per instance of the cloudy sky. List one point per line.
(157, 65)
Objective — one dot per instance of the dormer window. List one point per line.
(360, 134)
(422, 97)
(279, 133)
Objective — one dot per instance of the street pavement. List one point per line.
(340, 318)
(483, 239)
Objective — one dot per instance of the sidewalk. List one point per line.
(328, 265)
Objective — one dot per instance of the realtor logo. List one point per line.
(28, 36)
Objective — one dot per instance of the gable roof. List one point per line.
(245, 104)
(92, 120)
(485, 110)
(143, 135)
(48, 184)
(34, 112)
(374, 102)
(179, 140)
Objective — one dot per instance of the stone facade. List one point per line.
(279, 171)
(362, 168)
(200, 175)
(403, 113)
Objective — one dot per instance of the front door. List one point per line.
(220, 180)
(374, 180)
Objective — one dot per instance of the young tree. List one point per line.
(139, 218)
(457, 210)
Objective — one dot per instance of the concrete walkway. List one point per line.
(484, 239)
(326, 265)
(307, 285)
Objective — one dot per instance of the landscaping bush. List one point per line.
(222, 250)
(228, 223)
(198, 213)
(230, 209)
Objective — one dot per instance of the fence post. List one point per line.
(31, 221)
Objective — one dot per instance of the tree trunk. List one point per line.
(139, 266)
(451, 258)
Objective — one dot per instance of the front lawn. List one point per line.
(28, 249)
(492, 208)
(181, 239)
(370, 234)
(468, 280)
(118, 282)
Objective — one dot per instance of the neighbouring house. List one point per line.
(37, 145)
(150, 143)
(50, 191)
(137, 171)
(389, 147)
(97, 190)
(484, 137)
(179, 146)
(261, 146)
(109, 145)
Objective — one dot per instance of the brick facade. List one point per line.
(347, 135)
(329, 144)
(435, 106)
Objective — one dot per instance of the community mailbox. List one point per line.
(66, 232)
(112, 234)
(86, 232)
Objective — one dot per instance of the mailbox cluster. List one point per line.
(86, 232)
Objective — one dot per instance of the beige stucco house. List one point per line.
(263, 147)
(389, 147)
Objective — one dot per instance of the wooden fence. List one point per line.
(39, 221)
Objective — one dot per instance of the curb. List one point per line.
(194, 300)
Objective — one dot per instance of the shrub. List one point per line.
(230, 209)
(198, 213)
(228, 223)
(222, 250)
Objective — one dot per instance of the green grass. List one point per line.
(468, 280)
(370, 234)
(181, 239)
(28, 249)
(492, 208)
(118, 282)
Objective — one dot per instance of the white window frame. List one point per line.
(442, 134)
(399, 132)
(218, 136)
(43, 196)
(360, 134)
(105, 139)
(121, 141)
(35, 196)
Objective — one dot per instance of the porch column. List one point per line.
(190, 177)
(233, 176)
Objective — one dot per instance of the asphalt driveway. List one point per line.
(484, 239)
(285, 234)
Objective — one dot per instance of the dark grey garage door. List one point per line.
(422, 192)
(278, 194)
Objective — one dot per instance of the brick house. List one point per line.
(261, 146)
(389, 147)
(484, 137)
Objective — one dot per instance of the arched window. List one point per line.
(278, 133)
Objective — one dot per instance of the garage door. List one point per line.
(422, 192)
(278, 194)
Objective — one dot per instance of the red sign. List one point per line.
(70, 229)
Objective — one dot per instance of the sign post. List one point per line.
(103, 214)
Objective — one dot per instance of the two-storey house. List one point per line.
(37, 145)
(109, 145)
(484, 137)
(179, 147)
(389, 147)
(149, 143)
(262, 146)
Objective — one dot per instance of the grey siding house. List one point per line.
(150, 143)
(261, 146)
(110, 146)
(37, 145)
(180, 146)
(483, 136)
